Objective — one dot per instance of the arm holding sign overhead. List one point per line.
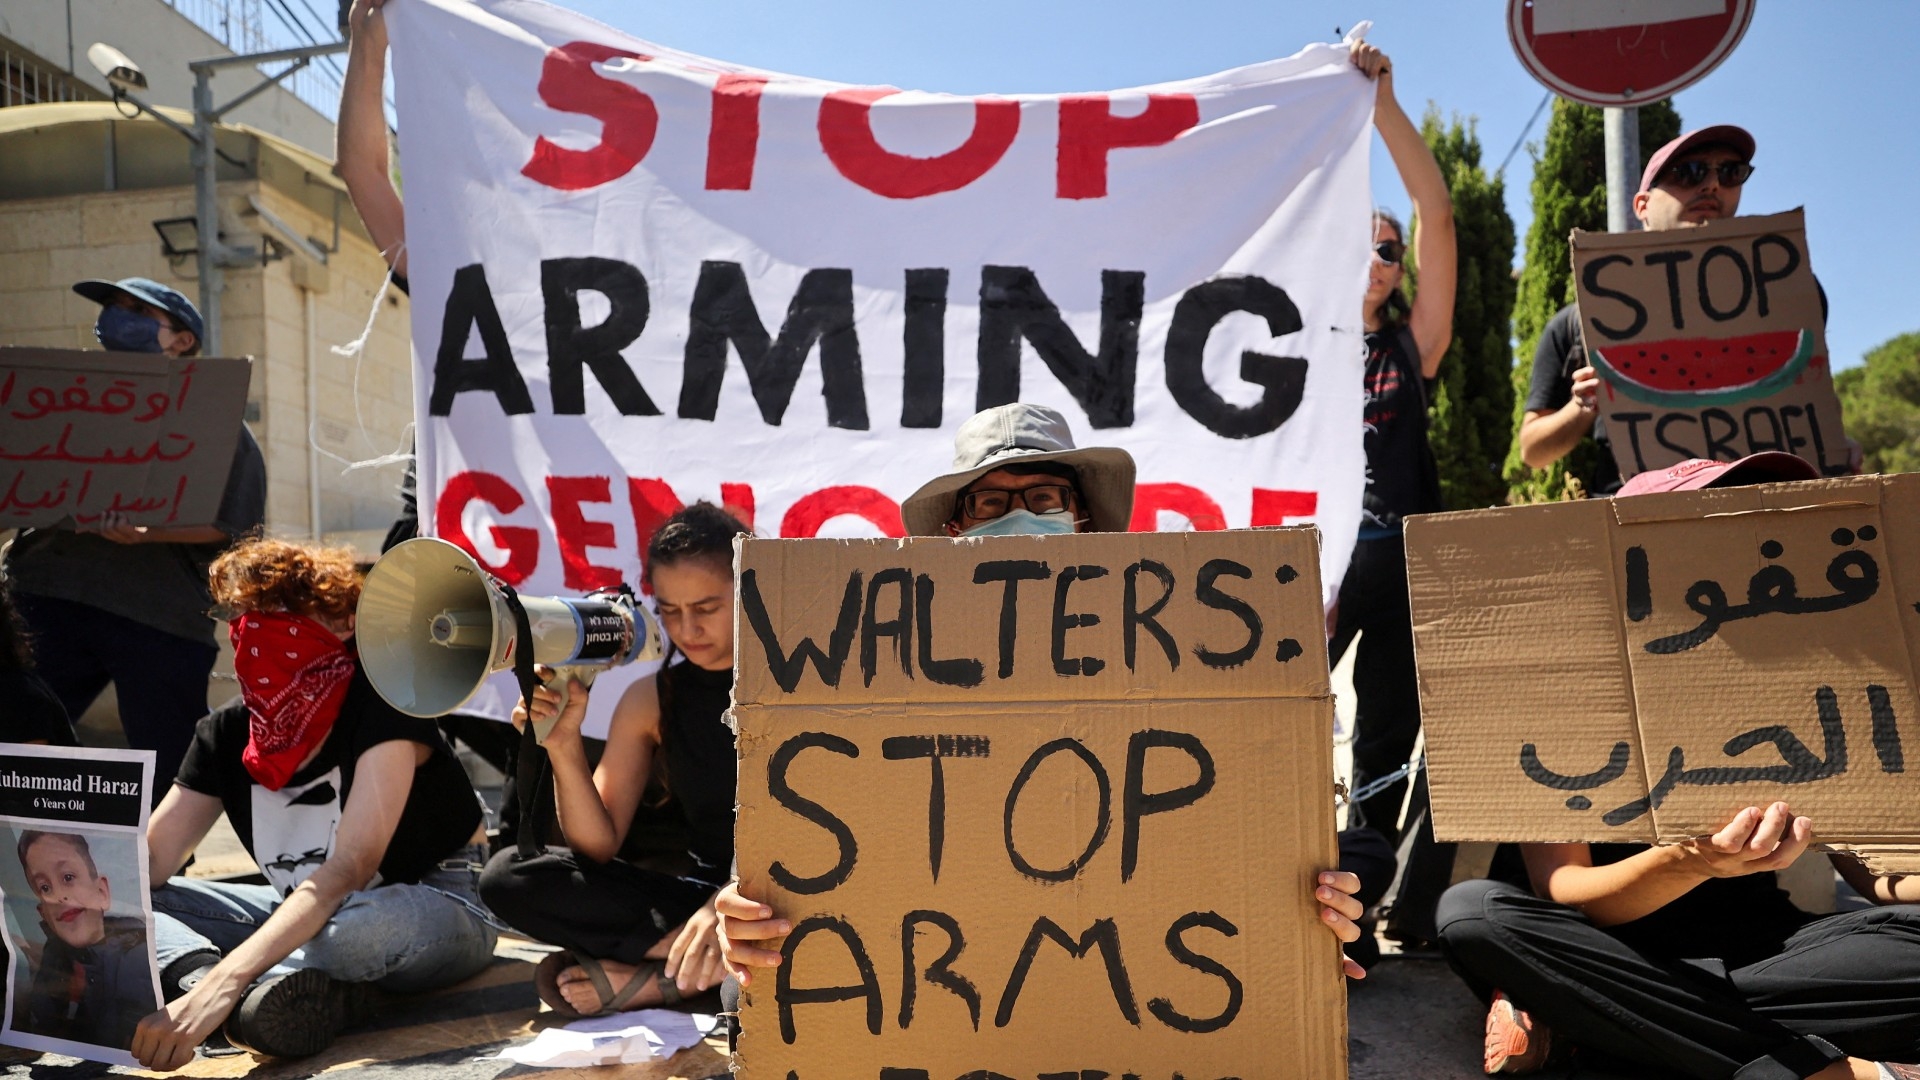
(1433, 235)
(360, 144)
(1754, 842)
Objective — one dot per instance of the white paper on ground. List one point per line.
(620, 1039)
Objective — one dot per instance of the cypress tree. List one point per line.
(1569, 192)
(1881, 402)
(1472, 407)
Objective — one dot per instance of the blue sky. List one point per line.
(1829, 91)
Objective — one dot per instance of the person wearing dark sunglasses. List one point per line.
(1406, 337)
(1690, 181)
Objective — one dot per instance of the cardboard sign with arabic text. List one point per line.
(83, 433)
(1640, 669)
(1710, 343)
(1037, 806)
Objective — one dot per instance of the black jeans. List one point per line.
(608, 911)
(159, 679)
(1373, 599)
(1843, 984)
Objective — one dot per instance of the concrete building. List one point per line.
(82, 184)
(81, 188)
(43, 58)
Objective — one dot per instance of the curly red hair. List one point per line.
(274, 575)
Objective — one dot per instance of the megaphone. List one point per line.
(433, 625)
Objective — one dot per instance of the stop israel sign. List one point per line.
(1624, 52)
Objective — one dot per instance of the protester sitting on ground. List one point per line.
(1405, 344)
(33, 713)
(632, 936)
(91, 983)
(1016, 471)
(111, 602)
(1690, 181)
(359, 816)
(1689, 958)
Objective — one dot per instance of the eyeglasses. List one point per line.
(1692, 174)
(1389, 252)
(984, 504)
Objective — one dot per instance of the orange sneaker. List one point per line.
(1515, 1043)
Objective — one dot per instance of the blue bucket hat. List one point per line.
(147, 291)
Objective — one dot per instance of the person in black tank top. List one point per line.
(635, 936)
(1405, 341)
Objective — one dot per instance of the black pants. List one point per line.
(159, 679)
(608, 911)
(1844, 984)
(1373, 599)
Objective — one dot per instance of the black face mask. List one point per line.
(127, 331)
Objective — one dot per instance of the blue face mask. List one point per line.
(1024, 522)
(127, 331)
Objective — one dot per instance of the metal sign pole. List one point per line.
(1623, 168)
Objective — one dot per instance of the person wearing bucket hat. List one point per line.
(112, 602)
(1690, 181)
(1017, 471)
(1604, 951)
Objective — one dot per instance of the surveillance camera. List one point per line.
(120, 71)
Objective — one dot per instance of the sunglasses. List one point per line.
(1692, 174)
(1389, 252)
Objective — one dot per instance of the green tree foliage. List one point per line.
(1881, 403)
(1473, 405)
(1569, 192)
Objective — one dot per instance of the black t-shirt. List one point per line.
(1737, 920)
(1561, 352)
(1402, 477)
(290, 832)
(701, 764)
(29, 711)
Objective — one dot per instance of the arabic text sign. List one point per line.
(1642, 668)
(85, 433)
(996, 783)
(1710, 343)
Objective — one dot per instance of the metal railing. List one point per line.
(252, 26)
(25, 81)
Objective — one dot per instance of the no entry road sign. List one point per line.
(1624, 52)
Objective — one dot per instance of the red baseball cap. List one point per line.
(1772, 466)
(1727, 135)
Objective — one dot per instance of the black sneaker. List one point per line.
(297, 1014)
(185, 973)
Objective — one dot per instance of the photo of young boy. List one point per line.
(91, 973)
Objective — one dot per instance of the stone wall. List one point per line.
(286, 315)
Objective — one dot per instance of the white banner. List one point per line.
(642, 277)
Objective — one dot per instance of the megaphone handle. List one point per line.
(562, 677)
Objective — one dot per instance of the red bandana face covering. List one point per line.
(293, 675)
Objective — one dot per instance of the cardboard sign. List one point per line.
(1640, 669)
(1037, 806)
(1710, 343)
(75, 899)
(84, 433)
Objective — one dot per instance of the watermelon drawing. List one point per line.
(1687, 373)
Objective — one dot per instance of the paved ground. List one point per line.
(1410, 1019)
